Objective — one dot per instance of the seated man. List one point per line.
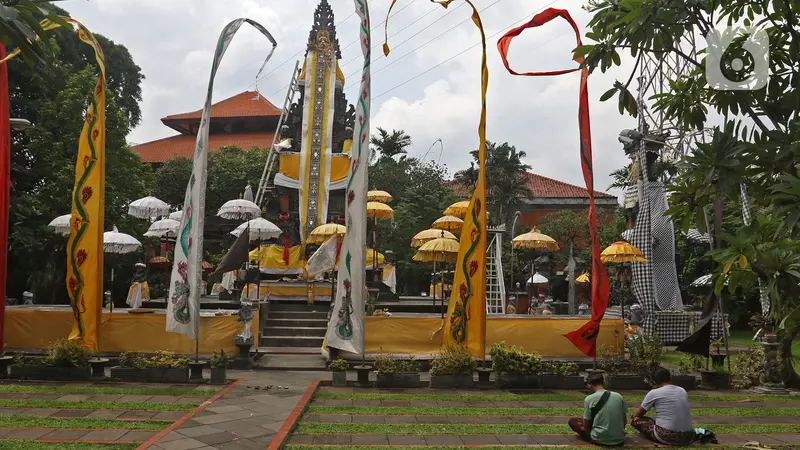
(673, 422)
(604, 415)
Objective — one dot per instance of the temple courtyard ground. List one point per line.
(264, 409)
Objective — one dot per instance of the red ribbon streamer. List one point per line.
(585, 337)
(285, 250)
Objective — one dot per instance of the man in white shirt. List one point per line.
(673, 422)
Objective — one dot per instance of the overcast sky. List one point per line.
(428, 86)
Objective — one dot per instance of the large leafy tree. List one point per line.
(506, 180)
(54, 96)
(757, 144)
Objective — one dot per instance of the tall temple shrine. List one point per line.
(314, 170)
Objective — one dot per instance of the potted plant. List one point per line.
(514, 367)
(338, 368)
(396, 373)
(716, 378)
(163, 367)
(219, 367)
(65, 361)
(622, 373)
(718, 357)
(562, 375)
(452, 368)
(682, 376)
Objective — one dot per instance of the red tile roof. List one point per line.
(240, 105)
(544, 187)
(162, 150)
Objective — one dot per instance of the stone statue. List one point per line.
(249, 296)
(139, 291)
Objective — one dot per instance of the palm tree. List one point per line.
(390, 145)
(506, 179)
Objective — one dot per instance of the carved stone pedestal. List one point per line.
(242, 361)
(771, 381)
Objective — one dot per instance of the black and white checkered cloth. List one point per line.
(665, 274)
(642, 239)
(747, 213)
(675, 326)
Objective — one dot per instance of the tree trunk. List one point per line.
(790, 376)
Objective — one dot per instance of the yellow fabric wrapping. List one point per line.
(439, 288)
(340, 169)
(85, 247)
(417, 336)
(272, 257)
(36, 329)
(339, 73)
(145, 289)
(297, 290)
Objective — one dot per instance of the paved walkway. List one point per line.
(247, 417)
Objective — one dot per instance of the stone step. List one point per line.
(292, 341)
(311, 362)
(295, 331)
(295, 322)
(297, 315)
(300, 306)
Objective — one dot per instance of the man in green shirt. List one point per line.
(604, 415)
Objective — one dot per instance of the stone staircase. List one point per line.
(293, 324)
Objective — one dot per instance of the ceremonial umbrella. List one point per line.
(375, 211)
(260, 228)
(116, 243)
(61, 224)
(239, 209)
(622, 253)
(537, 278)
(429, 235)
(448, 223)
(148, 207)
(177, 215)
(583, 278)
(534, 240)
(379, 196)
(162, 227)
(458, 209)
(321, 234)
(438, 250)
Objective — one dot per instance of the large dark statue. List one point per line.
(139, 291)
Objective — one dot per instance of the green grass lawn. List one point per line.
(80, 422)
(566, 396)
(89, 404)
(200, 391)
(505, 447)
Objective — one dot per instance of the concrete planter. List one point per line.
(339, 378)
(455, 381)
(712, 380)
(219, 375)
(623, 382)
(51, 373)
(553, 381)
(398, 380)
(517, 381)
(687, 382)
(151, 375)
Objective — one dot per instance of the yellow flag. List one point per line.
(85, 247)
(466, 323)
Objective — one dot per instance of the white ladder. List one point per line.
(495, 285)
(272, 157)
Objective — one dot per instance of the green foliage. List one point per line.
(748, 367)
(219, 360)
(66, 353)
(563, 369)
(514, 360)
(338, 365)
(388, 364)
(389, 145)
(20, 28)
(452, 361)
(161, 360)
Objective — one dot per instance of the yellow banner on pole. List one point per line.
(466, 311)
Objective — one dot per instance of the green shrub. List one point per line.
(748, 368)
(66, 353)
(161, 360)
(387, 364)
(219, 360)
(645, 351)
(453, 360)
(338, 365)
(514, 360)
(568, 369)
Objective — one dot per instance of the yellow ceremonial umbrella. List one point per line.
(622, 252)
(583, 278)
(438, 250)
(448, 223)
(323, 232)
(379, 196)
(535, 240)
(429, 235)
(458, 209)
(377, 210)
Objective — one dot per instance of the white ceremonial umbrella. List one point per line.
(177, 215)
(161, 227)
(148, 207)
(260, 229)
(239, 209)
(705, 280)
(537, 278)
(117, 243)
(61, 224)
(248, 193)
